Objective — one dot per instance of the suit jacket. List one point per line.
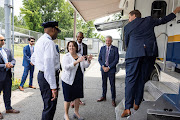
(26, 56)
(3, 71)
(69, 70)
(84, 49)
(113, 58)
(140, 33)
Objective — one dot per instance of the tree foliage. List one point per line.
(35, 12)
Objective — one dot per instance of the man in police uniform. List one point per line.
(47, 61)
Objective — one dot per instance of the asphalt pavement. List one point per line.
(30, 102)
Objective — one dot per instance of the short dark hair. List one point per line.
(31, 38)
(75, 45)
(137, 13)
(81, 33)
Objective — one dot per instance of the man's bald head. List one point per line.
(1, 37)
(2, 40)
(80, 37)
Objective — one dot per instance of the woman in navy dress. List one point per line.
(73, 65)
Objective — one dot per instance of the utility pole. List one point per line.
(7, 8)
(74, 32)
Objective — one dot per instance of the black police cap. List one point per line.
(51, 24)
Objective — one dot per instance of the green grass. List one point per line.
(16, 83)
(18, 50)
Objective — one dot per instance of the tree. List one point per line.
(1, 14)
(35, 12)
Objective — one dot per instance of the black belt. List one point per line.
(57, 71)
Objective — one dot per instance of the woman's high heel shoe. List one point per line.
(75, 116)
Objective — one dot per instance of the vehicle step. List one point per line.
(156, 89)
(120, 107)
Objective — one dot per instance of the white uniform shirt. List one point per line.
(46, 59)
(81, 51)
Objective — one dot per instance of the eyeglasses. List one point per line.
(32, 41)
(3, 40)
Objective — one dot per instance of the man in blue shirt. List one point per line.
(28, 66)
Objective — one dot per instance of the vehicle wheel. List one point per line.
(154, 75)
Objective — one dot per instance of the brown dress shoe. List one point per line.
(12, 111)
(30, 86)
(136, 107)
(126, 113)
(1, 116)
(21, 88)
(101, 99)
(113, 103)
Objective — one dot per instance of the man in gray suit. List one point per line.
(7, 62)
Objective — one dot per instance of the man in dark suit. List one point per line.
(7, 62)
(82, 49)
(28, 66)
(141, 53)
(108, 59)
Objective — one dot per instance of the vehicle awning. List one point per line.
(93, 9)
(111, 25)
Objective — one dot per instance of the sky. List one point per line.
(113, 33)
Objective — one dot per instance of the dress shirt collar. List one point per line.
(109, 47)
(30, 46)
(48, 36)
(79, 43)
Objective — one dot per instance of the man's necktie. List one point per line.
(79, 48)
(4, 58)
(107, 56)
(31, 50)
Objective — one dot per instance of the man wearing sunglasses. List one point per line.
(7, 62)
(28, 66)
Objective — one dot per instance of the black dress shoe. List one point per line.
(101, 99)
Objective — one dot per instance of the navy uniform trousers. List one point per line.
(46, 93)
(111, 76)
(5, 86)
(138, 71)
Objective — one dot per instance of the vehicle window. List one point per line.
(158, 9)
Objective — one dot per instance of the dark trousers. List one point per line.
(5, 86)
(111, 77)
(137, 72)
(25, 74)
(46, 93)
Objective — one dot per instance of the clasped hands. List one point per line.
(105, 69)
(82, 58)
(9, 65)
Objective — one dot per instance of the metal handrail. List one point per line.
(165, 49)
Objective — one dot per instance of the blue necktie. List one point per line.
(4, 58)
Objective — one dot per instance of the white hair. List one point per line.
(110, 37)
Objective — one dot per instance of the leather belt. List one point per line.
(57, 71)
